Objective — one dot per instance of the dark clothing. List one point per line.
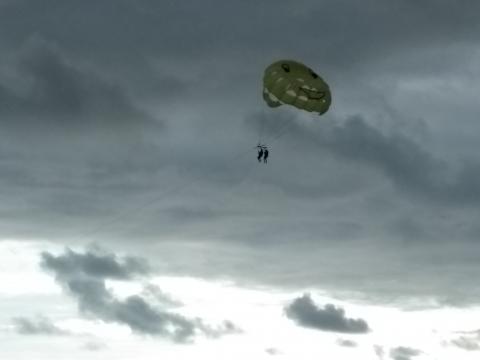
(265, 156)
(260, 154)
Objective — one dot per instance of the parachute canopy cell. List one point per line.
(293, 83)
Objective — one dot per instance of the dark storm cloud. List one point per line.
(82, 140)
(404, 353)
(38, 326)
(84, 275)
(407, 227)
(405, 162)
(188, 214)
(58, 96)
(330, 318)
(66, 128)
(186, 29)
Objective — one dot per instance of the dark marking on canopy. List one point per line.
(314, 75)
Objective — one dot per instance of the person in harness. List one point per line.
(260, 152)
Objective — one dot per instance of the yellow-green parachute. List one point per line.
(293, 83)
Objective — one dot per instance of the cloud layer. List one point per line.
(143, 127)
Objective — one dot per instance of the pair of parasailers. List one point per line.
(262, 153)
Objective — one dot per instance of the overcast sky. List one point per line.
(128, 177)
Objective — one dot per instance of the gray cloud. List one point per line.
(273, 351)
(379, 351)
(38, 326)
(306, 313)
(94, 345)
(102, 266)
(83, 276)
(467, 343)
(404, 353)
(155, 293)
(141, 317)
(346, 343)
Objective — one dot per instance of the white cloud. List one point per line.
(258, 312)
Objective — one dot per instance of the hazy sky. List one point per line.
(135, 219)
